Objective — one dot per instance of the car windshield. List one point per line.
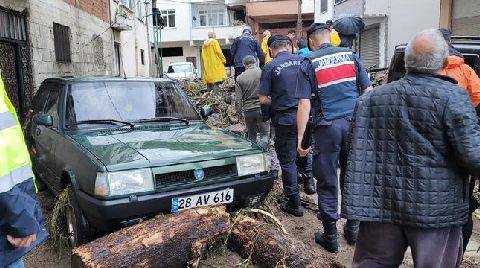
(126, 101)
(180, 68)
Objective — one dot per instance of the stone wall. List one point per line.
(91, 40)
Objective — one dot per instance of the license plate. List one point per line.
(200, 200)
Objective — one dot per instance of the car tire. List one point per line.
(78, 229)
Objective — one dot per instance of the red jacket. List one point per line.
(465, 76)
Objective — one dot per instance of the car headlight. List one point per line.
(251, 164)
(124, 182)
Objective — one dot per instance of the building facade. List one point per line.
(278, 16)
(387, 24)
(462, 17)
(50, 39)
(323, 10)
(131, 42)
(187, 24)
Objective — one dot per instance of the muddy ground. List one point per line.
(302, 228)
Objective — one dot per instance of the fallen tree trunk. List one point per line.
(266, 246)
(176, 240)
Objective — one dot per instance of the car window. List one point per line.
(397, 70)
(126, 101)
(40, 99)
(51, 108)
(180, 68)
(473, 61)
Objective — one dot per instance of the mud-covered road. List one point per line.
(302, 228)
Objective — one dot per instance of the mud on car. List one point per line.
(131, 148)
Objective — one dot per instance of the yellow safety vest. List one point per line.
(15, 164)
(265, 49)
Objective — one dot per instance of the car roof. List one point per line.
(72, 80)
(460, 42)
(181, 63)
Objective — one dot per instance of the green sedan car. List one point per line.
(132, 148)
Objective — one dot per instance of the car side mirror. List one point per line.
(43, 120)
(206, 111)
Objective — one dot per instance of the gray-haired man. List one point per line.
(412, 146)
(246, 89)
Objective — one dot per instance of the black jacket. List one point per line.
(246, 45)
(412, 145)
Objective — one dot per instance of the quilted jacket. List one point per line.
(411, 147)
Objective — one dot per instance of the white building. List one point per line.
(130, 33)
(187, 24)
(388, 23)
(323, 10)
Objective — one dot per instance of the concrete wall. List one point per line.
(183, 21)
(91, 55)
(354, 7)
(404, 21)
(323, 17)
(17, 5)
(132, 41)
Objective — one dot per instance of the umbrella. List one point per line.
(348, 24)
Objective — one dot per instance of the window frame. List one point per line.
(165, 14)
(207, 14)
(54, 87)
(62, 35)
(323, 6)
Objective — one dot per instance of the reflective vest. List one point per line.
(15, 164)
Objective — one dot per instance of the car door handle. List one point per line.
(38, 131)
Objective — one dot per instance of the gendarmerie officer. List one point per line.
(277, 88)
(337, 77)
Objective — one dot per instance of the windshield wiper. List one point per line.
(103, 121)
(164, 119)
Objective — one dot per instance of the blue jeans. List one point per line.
(17, 264)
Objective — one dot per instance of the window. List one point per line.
(116, 59)
(126, 3)
(40, 99)
(323, 6)
(168, 17)
(51, 107)
(61, 38)
(142, 56)
(140, 9)
(212, 17)
(172, 52)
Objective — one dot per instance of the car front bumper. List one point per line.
(107, 215)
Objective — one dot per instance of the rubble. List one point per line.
(223, 104)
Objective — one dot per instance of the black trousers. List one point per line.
(384, 245)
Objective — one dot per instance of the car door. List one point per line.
(45, 138)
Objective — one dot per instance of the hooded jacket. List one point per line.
(213, 62)
(265, 50)
(246, 45)
(20, 212)
(465, 76)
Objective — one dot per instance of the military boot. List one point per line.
(309, 184)
(293, 206)
(350, 231)
(328, 239)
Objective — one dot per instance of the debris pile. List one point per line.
(223, 104)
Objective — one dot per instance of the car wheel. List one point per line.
(78, 230)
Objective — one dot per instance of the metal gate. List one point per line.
(15, 61)
(370, 46)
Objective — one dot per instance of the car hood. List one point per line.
(163, 145)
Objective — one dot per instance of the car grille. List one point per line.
(187, 175)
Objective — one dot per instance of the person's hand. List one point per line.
(23, 242)
(303, 152)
